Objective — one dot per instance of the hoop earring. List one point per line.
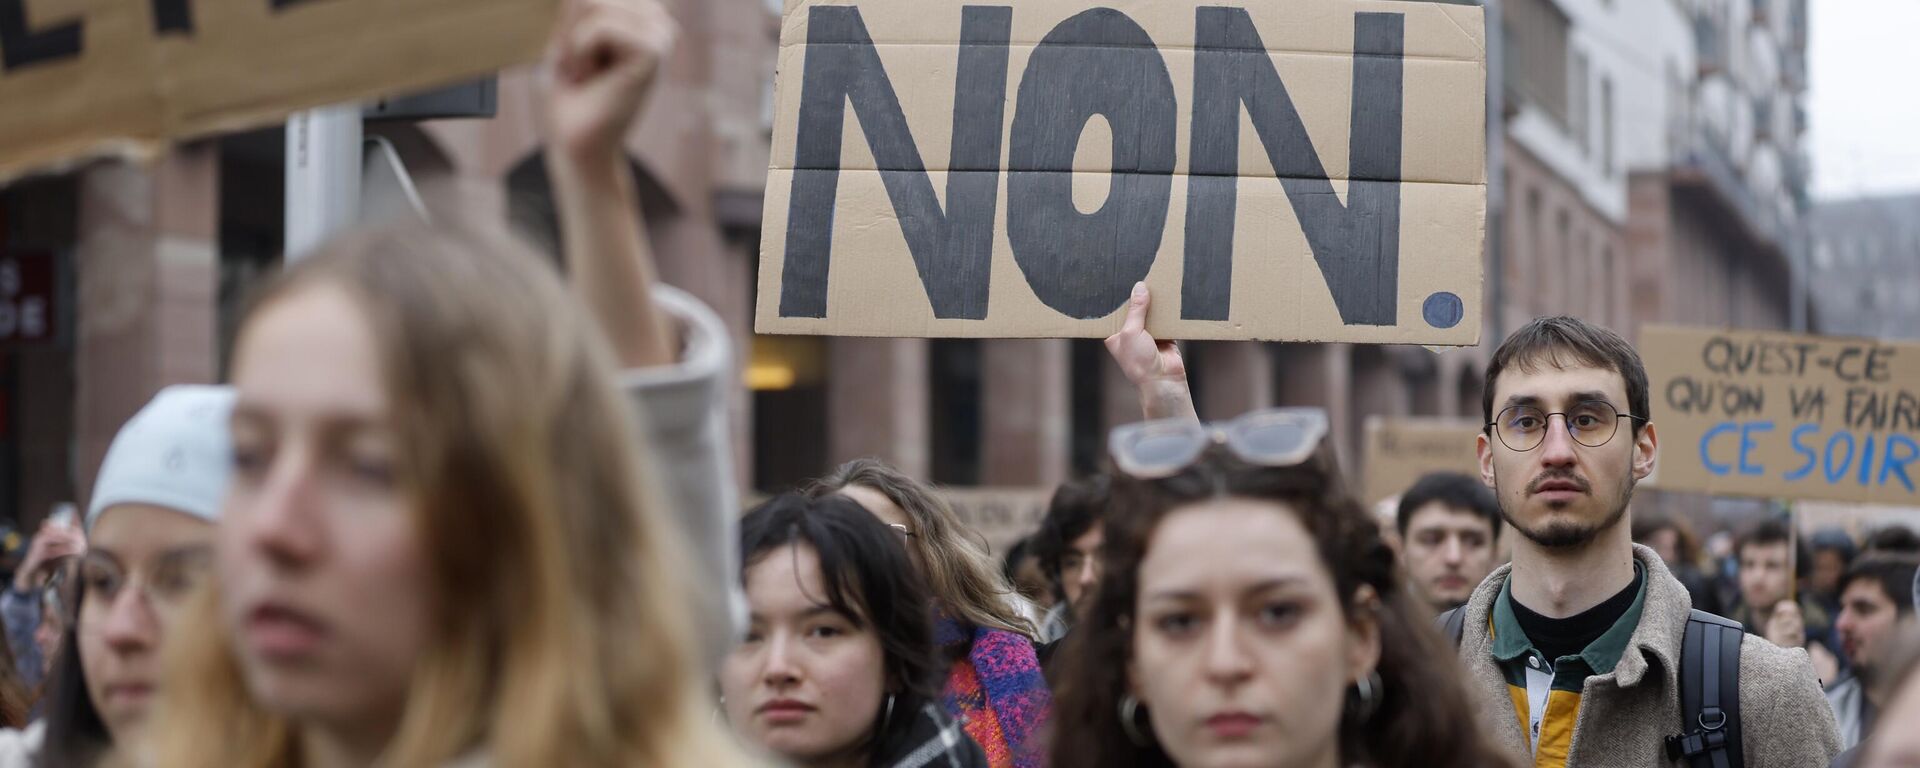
(1367, 693)
(1129, 722)
(886, 720)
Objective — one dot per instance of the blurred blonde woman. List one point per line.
(994, 682)
(444, 544)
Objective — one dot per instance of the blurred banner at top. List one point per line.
(1354, 210)
(1785, 415)
(126, 76)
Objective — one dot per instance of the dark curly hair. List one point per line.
(1418, 718)
(1076, 507)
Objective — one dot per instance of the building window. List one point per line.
(1606, 127)
(1537, 36)
(1472, 387)
(786, 379)
(1565, 257)
(1536, 258)
(1584, 289)
(1577, 104)
(1536, 253)
(1087, 400)
(954, 377)
(1604, 285)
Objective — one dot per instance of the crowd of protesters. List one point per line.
(459, 505)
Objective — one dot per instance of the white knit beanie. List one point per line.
(174, 453)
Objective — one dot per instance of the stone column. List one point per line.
(1238, 378)
(1025, 414)
(1648, 261)
(1120, 398)
(877, 402)
(148, 270)
(1321, 375)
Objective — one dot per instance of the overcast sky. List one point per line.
(1864, 97)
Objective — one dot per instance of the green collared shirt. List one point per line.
(1546, 692)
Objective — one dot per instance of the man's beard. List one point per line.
(1560, 534)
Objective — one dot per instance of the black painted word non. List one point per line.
(1101, 62)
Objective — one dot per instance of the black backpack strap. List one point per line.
(1709, 694)
(1452, 625)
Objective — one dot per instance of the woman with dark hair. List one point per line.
(994, 684)
(1250, 614)
(838, 667)
(1021, 567)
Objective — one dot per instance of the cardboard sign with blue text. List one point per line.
(1308, 170)
(1778, 415)
(125, 76)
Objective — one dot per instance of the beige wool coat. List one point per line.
(1626, 715)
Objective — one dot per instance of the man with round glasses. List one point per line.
(1573, 650)
(1581, 635)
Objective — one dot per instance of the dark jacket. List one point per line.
(1700, 588)
(930, 740)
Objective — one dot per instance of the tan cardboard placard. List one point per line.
(1265, 180)
(1001, 516)
(126, 76)
(1779, 415)
(1400, 450)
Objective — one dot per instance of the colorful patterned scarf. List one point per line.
(999, 690)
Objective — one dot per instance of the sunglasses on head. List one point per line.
(1276, 437)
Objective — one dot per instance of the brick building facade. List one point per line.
(155, 262)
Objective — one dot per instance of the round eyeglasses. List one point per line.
(1591, 423)
(164, 582)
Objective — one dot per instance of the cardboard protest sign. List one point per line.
(1399, 451)
(126, 75)
(1308, 170)
(1781, 415)
(1002, 516)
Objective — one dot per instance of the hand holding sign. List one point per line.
(606, 54)
(1154, 366)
